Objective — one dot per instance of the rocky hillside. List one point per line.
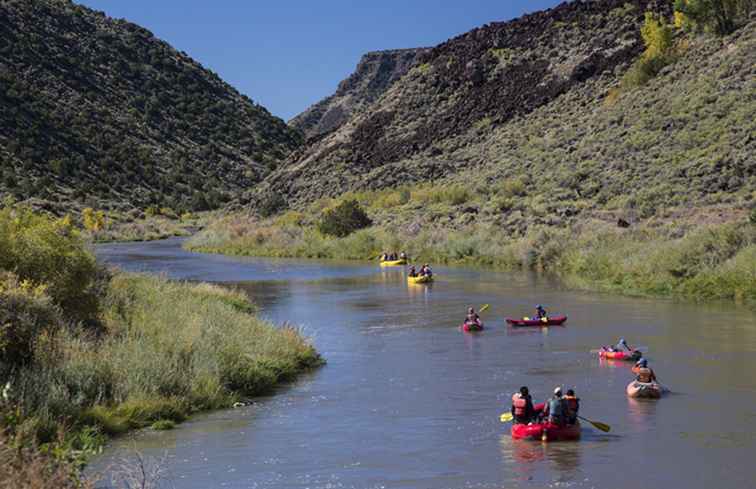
(98, 111)
(527, 99)
(375, 73)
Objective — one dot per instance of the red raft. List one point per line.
(620, 355)
(546, 432)
(551, 321)
(471, 328)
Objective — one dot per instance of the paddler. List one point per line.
(472, 317)
(572, 403)
(554, 408)
(412, 272)
(426, 270)
(522, 407)
(644, 373)
(540, 312)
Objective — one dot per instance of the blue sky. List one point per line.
(286, 55)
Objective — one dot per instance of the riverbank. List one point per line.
(701, 254)
(88, 353)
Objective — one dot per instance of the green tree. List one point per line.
(718, 16)
(344, 219)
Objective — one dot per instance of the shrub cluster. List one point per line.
(344, 219)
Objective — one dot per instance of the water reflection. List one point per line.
(529, 460)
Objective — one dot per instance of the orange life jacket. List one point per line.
(520, 404)
(572, 405)
(645, 375)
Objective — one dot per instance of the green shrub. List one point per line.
(717, 16)
(344, 219)
(48, 251)
(272, 204)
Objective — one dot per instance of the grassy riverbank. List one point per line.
(703, 254)
(87, 354)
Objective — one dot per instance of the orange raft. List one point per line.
(633, 356)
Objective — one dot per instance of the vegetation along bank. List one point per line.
(86, 353)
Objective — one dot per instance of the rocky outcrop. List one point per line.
(375, 73)
(484, 79)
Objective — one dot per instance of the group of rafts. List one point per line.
(540, 423)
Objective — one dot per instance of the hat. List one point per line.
(557, 390)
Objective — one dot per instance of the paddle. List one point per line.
(483, 308)
(598, 425)
(506, 417)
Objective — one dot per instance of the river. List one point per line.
(408, 401)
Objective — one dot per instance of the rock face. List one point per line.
(100, 111)
(481, 80)
(375, 73)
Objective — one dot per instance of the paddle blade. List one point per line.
(483, 308)
(505, 417)
(601, 426)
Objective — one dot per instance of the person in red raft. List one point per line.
(473, 319)
(523, 411)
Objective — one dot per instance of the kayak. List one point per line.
(546, 431)
(550, 321)
(645, 390)
(633, 356)
(469, 328)
(393, 263)
(420, 279)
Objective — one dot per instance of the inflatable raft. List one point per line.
(420, 279)
(546, 432)
(633, 356)
(550, 321)
(393, 263)
(471, 328)
(645, 390)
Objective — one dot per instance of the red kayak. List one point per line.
(546, 432)
(550, 321)
(471, 327)
(633, 356)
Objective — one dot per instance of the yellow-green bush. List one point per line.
(44, 250)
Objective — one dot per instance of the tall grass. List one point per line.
(144, 351)
(709, 263)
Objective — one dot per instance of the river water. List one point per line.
(408, 401)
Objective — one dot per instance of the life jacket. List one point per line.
(645, 375)
(520, 404)
(572, 404)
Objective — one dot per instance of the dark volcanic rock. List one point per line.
(375, 73)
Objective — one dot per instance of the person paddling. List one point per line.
(554, 408)
(643, 373)
(412, 272)
(472, 317)
(522, 406)
(540, 312)
(572, 403)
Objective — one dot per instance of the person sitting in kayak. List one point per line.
(572, 404)
(472, 318)
(426, 270)
(412, 272)
(540, 312)
(522, 407)
(644, 373)
(554, 408)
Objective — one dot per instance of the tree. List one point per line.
(344, 219)
(718, 16)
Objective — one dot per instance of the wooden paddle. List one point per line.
(598, 425)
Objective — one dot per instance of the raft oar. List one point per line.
(598, 425)
(483, 308)
(506, 417)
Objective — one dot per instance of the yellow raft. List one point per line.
(394, 263)
(424, 279)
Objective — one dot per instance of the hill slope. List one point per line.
(526, 99)
(375, 73)
(98, 110)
